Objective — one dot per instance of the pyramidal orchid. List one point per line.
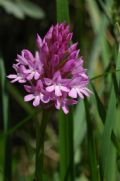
(55, 74)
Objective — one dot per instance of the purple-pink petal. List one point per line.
(73, 93)
(58, 91)
(65, 89)
(12, 76)
(36, 75)
(28, 97)
(65, 109)
(45, 98)
(36, 101)
(50, 88)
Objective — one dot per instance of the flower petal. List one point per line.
(12, 76)
(21, 80)
(29, 97)
(36, 75)
(30, 76)
(50, 88)
(57, 104)
(44, 98)
(39, 41)
(48, 82)
(65, 109)
(57, 76)
(28, 88)
(65, 89)
(58, 91)
(36, 101)
(73, 93)
(80, 94)
(85, 92)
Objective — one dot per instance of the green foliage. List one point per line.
(91, 144)
(6, 121)
(62, 11)
(22, 8)
(30, 9)
(108, 152)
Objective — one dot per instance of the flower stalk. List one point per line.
(40, 139)
(66, 147)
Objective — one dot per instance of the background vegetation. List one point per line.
(96, 126)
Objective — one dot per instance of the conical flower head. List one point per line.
(55, 74)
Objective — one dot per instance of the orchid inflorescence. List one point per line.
(55, 74)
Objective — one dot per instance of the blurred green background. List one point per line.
(95, 24)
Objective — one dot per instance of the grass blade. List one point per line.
(6, 122)
(66, 147)
(41, 125)
(108, 152)
(115, 141)
(79, 124)
(91, 144)
(62, 11)
(100, 107)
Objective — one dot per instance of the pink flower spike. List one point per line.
(54, 74)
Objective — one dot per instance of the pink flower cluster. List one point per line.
(55, 74)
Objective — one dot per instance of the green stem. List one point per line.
(6, 122)
(91, 145)
(62, 11)
(104, 74)
(40, 137)
(66, 147)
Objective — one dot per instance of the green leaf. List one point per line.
(62, 11)
(12, 8)
(100, 107)
(97, 42)
(30, 9)
(41, 125)
(66, 146)
(115, 83)
(4, 94)
(106, 52)
(6, 123)
(108, 152)
(115, 141)
(91, 144)
(118, 59)
(94, 13)
(79, 124)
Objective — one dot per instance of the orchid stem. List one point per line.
(40, 138)
(66, 147)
